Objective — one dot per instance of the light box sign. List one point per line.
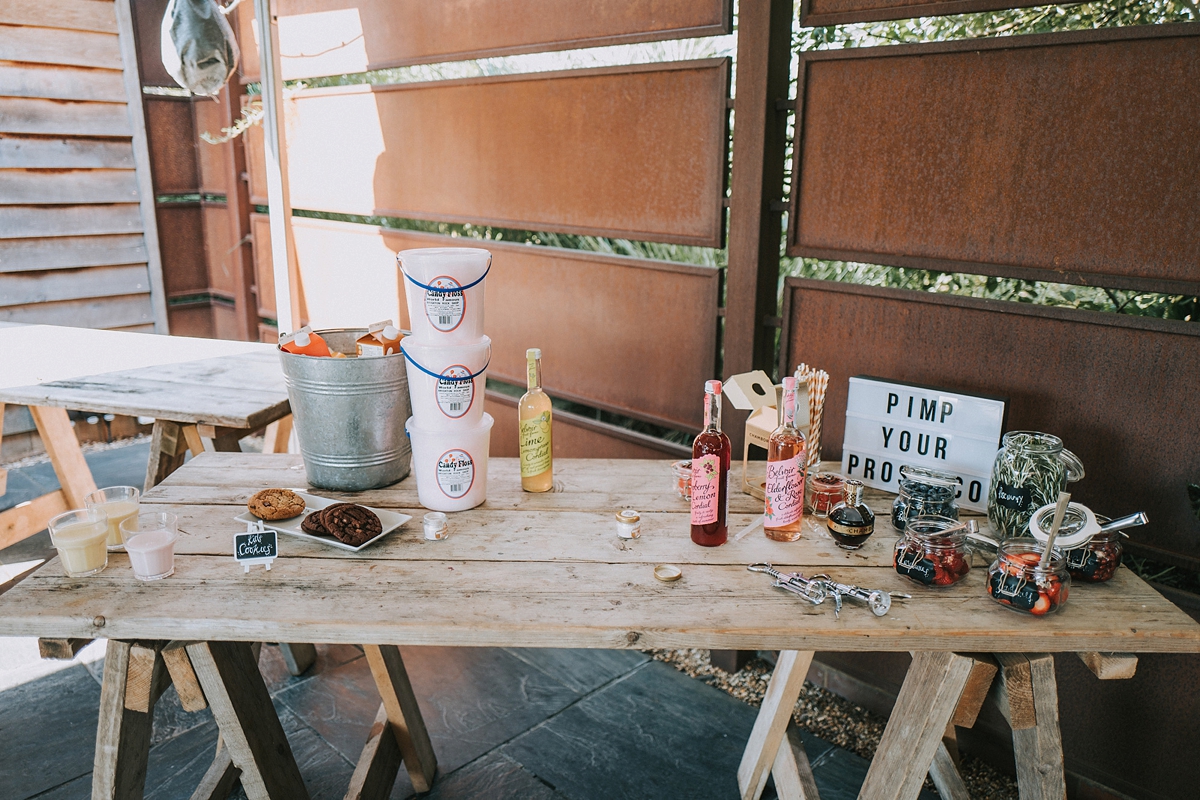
(890, 424)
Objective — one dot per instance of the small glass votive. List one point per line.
(119, 504)
(80, 537)
(150, 542)
(435, 526)
(682, 471)
(629, 524)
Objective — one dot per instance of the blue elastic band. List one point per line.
(431, 374)
(449, 291)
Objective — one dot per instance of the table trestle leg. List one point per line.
(377, 768)
(926, 704)
(250, 728)
(168, 446)
(792, 773)
(404, 715)
(298, 657)
(1037, 746)
(220, 778)
(771, 724)
(123, 735)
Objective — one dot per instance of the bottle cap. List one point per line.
(302, 337)
(533, 352)
(376, 327)
(789, 383)
(390, 331)
(852, 491)
(712, 387)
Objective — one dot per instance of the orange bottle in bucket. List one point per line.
(304, 343)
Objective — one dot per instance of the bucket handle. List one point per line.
(441, 289)
(433, 374)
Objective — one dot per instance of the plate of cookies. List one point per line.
(319, 519)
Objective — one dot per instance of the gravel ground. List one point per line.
(828, 716)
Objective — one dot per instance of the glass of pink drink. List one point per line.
(150, 543)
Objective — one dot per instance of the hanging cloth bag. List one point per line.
(198, 46)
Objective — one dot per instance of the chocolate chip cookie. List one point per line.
(312, 525)
(273, 504)
(350, 523)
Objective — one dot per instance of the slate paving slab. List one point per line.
(493, 776)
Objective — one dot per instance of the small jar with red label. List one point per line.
(824, 490)
(929, 555)
(1017, 580)
(1098, 559)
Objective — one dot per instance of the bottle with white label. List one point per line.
(786, 457)
(534, 412)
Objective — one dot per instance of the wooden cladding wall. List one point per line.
(634, 152)
(1117, 389)
(1065, 157)
(333, 37)
(619, 333)
(78, 241)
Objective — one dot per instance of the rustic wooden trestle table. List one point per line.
(549, 570)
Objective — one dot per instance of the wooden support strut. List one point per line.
(771, 724)
(123, 735)
(1038, 749)
(183, 675)
(403, 714)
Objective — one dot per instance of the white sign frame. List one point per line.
(259, 529)
(894, 423)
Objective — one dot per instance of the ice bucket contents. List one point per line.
(118, 503)
(80, 538)
(150, 542)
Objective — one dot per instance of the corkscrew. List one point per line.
(813, 591)
(877, 600)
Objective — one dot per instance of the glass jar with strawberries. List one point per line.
(932, 551)
(1017, 579)
(1097, 560)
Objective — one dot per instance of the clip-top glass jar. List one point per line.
(1030, 470)
(928, 555)
(823, 491)
(924, 493)
(1098, 559)
(1017, 580)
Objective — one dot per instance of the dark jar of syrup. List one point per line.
(850, 522)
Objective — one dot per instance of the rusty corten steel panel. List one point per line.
(334, 37)
(147, 33)
(635, 152)
(815, 13)
(181, 241)
(575, 437)
(218, 250)
(172, 140)
(1067, 157)
(1119, 390)
(212, 159)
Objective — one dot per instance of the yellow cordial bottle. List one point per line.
(537, 469)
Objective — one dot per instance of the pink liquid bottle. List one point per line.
(710, 474)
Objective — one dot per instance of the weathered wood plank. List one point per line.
(79, 15)
(187, 685)
(25, 153)
(147, 676)
(61, 649)
(944, 773)
(168, 447)
(377, 767)
(55, 187)
(772, 721)
(72, 284)
(61, 46)
(26, 519)
(403, 714)
(1014, 692)
(69, 252)
(983, 674)
(1110, 666)
(1038, 750)
(36, 222)
(62, 446)
(924, 707)
(791, 771)
(220, 778)
(63, 117)
(298, 657)
(249, 727)
(54, 82)
(116, 312)
(122, 737)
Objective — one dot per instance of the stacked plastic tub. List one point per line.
(446, 358)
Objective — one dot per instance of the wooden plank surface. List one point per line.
(61, 46)
(61, 154)
(79, 15)
(63, 117)
(1111, 666)
(116, 312)
(56, 82)
(634, 152)
(73, 284)
(54, 187)
(331, 37)
(37, 222)
(562, 598)
(66, 252)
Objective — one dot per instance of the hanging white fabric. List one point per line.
(198, 46)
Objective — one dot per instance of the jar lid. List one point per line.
(1079, 525)
(928, 476)
(628, 515)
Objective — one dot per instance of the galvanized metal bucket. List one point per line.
(349, 415)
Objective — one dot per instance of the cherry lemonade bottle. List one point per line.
(710, 474)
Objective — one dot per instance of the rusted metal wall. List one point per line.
(635, 152)
(1117, 389)
(332, 37)
(1067, 157)
(837, 12)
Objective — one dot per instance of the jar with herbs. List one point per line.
(924, 492)
(930, 553)
(1030, 470)
(1017, 580)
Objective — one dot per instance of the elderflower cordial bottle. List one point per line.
(786, 457)
(710, 474)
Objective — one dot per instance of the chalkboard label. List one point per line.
(1014, 497)
(922, 571)
(256, 547)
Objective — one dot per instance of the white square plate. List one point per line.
(291, 526)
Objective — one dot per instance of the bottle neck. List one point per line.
(534, 370)
(712, 412)
(789, 408)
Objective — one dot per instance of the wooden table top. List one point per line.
(196, 381)
(548, 570)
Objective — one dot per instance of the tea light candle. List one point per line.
(79, 537)
(629, 524)
(152, 555)
(435, 526)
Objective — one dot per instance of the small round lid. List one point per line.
(712, 387)
(628, 515)
(391, 332)
(667, 573)
(1079, 525)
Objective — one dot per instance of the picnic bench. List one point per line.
(548, 570)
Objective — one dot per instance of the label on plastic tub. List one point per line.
(445, 309)
(454, 398)
(455, 473)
